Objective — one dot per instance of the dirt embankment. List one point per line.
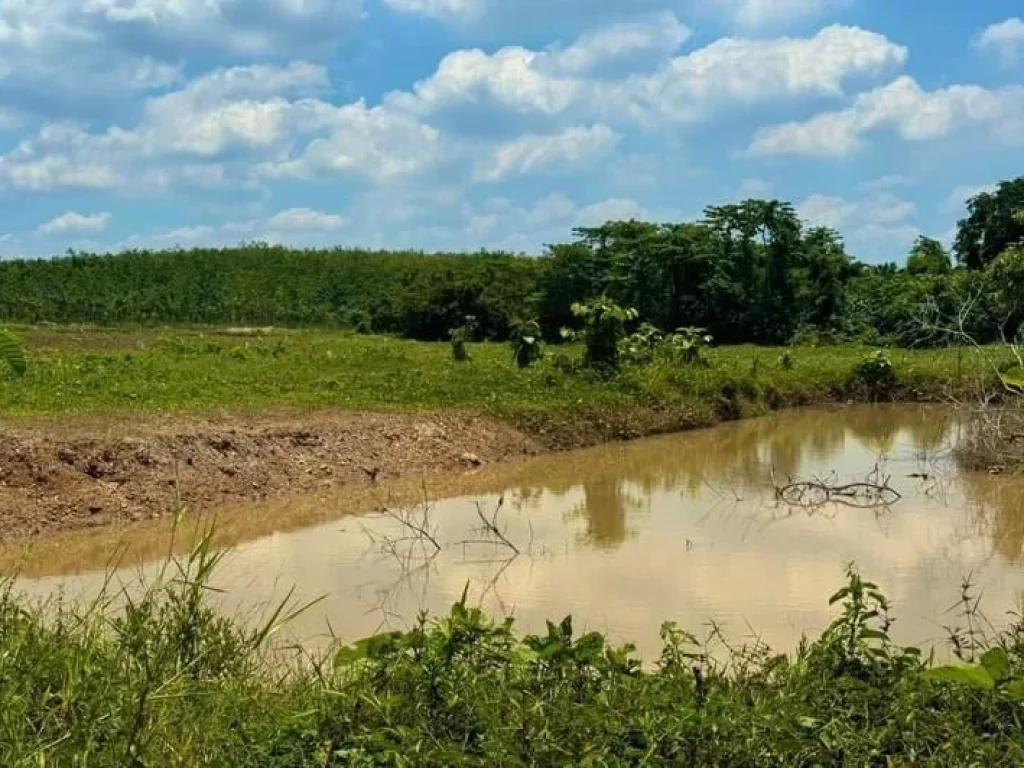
(58, 476)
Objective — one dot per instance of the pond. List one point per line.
(623, 537)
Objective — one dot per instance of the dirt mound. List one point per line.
(64, 475)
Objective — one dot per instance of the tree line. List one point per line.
(749, 272)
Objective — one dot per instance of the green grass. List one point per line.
(164, 681)
(114, 371)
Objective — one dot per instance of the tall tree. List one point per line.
(928, 257)
(994, 223)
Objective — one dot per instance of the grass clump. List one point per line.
(165, 681)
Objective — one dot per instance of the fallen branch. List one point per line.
(814, 493)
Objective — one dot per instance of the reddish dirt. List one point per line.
(65, 475)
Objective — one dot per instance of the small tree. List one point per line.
(604, 326)
(691, 343)
(928, 257)
(460, 337)
(527, 346)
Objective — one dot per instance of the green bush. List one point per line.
(875, 373)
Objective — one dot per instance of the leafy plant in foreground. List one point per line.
(691, 344)
(12, 353)
(604, 326)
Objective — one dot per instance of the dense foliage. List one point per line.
(749, 272)
(165, 681)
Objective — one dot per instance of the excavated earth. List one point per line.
(73, 474)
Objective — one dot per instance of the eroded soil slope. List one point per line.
(61, 475)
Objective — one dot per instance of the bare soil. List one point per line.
(73, 474)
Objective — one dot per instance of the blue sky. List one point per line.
(461, 124)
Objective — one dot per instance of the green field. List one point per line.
(78, 370)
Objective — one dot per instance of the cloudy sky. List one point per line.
(460, 124)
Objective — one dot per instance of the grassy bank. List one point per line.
(166, 682)
(117, 371)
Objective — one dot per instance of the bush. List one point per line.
(527, 344)
(875, 373)
(604, 327)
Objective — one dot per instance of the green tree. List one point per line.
(994, 223)
(604, 326)
(928, 257)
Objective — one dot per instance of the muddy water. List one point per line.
(624, 537)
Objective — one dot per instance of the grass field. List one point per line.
(187, 370)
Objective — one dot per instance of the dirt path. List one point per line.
(72, 474)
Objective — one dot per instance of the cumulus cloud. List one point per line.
(377, 143)
(73, 222)
(1004, 41)
(82, 56)
(230, 125)
(293, 226)
(687, 87)
(537, 153)
(903, 106)
(523, 14)
(306, 219)
(879, 217)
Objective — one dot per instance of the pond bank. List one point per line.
(70, 473)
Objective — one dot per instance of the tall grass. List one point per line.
(164, 680)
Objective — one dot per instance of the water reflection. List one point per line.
(625, 536)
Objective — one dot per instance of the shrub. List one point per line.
(604, 326)
(527, 344)
(460, 336)
(875, 372)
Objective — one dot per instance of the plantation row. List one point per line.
(750, 272)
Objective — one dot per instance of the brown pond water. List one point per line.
(622, 537)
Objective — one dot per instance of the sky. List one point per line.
(499, 124)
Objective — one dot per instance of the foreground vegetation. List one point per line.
(91, 370)
(163, 680)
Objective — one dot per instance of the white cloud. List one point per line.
(64, 57)
(439, 9)
(306, 219)
(502, 15)
(651, 37)
(228, 126)
(535, 153)
(1004, 41)
(880, 217)
(728, 71)
(826, 211)
(293, 226)
(772, 13)
(378, 143)
(613, 209)
(73, 222)
(917, 115)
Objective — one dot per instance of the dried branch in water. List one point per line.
(817, 492)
